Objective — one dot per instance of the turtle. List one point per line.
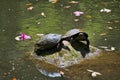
(49, 41)
(76, 35)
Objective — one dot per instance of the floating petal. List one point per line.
(78, 13)
(105, 10)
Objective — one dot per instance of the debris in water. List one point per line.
(29, 4)
(53, 1)
(17, 38)
(38, 23)
(105, 10)
(102, 34)
(111, 49)
(14, 78)
(94, 73)
(30, 8)
(43, 14)
(78, 13)
(110, 28)
(76, 20)
(105, 39)
(67, 6)
(40, 35)
(104, 47)
(88, 16)
(22, 37)
(73, 2)
(107, 48)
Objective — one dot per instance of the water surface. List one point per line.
(103, 30)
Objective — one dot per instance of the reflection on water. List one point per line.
(103, 30)
(49, 74)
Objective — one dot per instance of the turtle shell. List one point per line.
(72, 32)
(48, 41)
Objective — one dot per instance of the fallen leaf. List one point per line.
(40, 35)
(67, 6)
(29, 4)
(53, 1)
(30, 8)
(105, 10)
(94, 73)
(88, 16)
(14, 78)
(110, 28)
(102, 34)
(76, 20)
(104, 47)
(112, 48)
(43, 14)
(73, 2)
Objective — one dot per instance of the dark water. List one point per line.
(103, 29)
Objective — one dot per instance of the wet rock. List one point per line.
(68, 55)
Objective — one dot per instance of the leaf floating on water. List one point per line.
(94, 73)
(30, 8)
(105, 10)
(67, 6)
(76, 20)
(104, 47)
(53, 1)
(110, 28)
(88, 16)
(43, 14)
(17, 38)
(29, 4)
(102, 34)
(73, 2)
(14, 78)
(89, 70)
(111, 49)
(40, 35)
(38, 23)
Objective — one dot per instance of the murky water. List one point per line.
(45, 17)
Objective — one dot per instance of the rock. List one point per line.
(50, 62)
(68, 55)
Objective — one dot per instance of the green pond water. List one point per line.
(103, 29)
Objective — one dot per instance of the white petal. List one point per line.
(17, 38)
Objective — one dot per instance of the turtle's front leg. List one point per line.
(88, 42)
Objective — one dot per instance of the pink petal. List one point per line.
(24, 36)
(78, 13)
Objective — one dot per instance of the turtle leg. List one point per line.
(88, 42)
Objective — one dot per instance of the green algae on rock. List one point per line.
(66, 56)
